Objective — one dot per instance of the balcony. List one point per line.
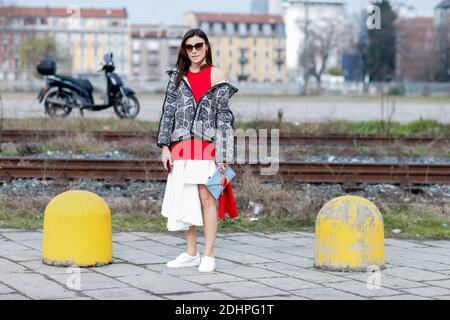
(243, 61)
(242, 77)
(280, 61)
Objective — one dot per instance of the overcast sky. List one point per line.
(171, 11)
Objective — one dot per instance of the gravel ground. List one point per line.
(119, 155)
(113, 155)
(154, 190)
(437, 194)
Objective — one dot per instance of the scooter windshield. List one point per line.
(108, 58)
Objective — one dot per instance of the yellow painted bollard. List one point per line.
(77, 230)
(349, 235)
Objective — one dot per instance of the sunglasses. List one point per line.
(197, 46)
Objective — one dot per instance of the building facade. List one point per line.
(154, 50)
(301, 15)
(84, 35)
(442, 27)
(247, 47)
(415, 44)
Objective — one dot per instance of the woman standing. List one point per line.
(195, 114)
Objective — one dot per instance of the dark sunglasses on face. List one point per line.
(197, 46)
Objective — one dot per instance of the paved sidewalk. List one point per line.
(250, 266)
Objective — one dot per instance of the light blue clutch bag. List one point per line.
(215, 182)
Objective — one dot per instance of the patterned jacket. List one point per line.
(211, 119)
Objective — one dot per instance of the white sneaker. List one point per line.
(208, 264)
(184, 260)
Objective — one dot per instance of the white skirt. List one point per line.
(181, 203)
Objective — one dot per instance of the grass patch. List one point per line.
(21, 215)
(79, 124)
(418, 128)
(416, 222)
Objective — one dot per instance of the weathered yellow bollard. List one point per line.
(349, 235)
(77, 230)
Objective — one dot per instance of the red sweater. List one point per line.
(196, 149)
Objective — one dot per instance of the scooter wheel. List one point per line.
(128, 108)
(54, 110)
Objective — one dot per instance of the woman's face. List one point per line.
(196, 49)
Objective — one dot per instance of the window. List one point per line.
(254, 29)
(136, 59)
(230, 29)
(242, 29)
(205, 27)
(152, 46)
(274, 28)
(136, 45)
(280, 29)
(218, 28)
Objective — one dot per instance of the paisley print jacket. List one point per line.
(210, 119)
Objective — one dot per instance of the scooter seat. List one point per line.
(83, 83)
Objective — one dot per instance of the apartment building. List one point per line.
(154, 50)
(83, 34)
(247, 47)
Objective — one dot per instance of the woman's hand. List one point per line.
(166, 157)
(222, 167)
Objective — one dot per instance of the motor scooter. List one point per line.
(62, 94)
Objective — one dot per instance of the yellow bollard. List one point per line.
(77, 230)
(349, 235)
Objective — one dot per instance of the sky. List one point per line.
(171, 11)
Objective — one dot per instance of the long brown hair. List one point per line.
(183, 61)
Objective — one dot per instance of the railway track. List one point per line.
(41, 135)
(124, 170)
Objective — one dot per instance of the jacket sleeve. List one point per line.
(167, 121)
(224, 147)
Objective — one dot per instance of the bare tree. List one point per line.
(327, 37)
(304, 47)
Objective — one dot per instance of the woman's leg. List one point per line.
(191, 240)
(209, 210)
